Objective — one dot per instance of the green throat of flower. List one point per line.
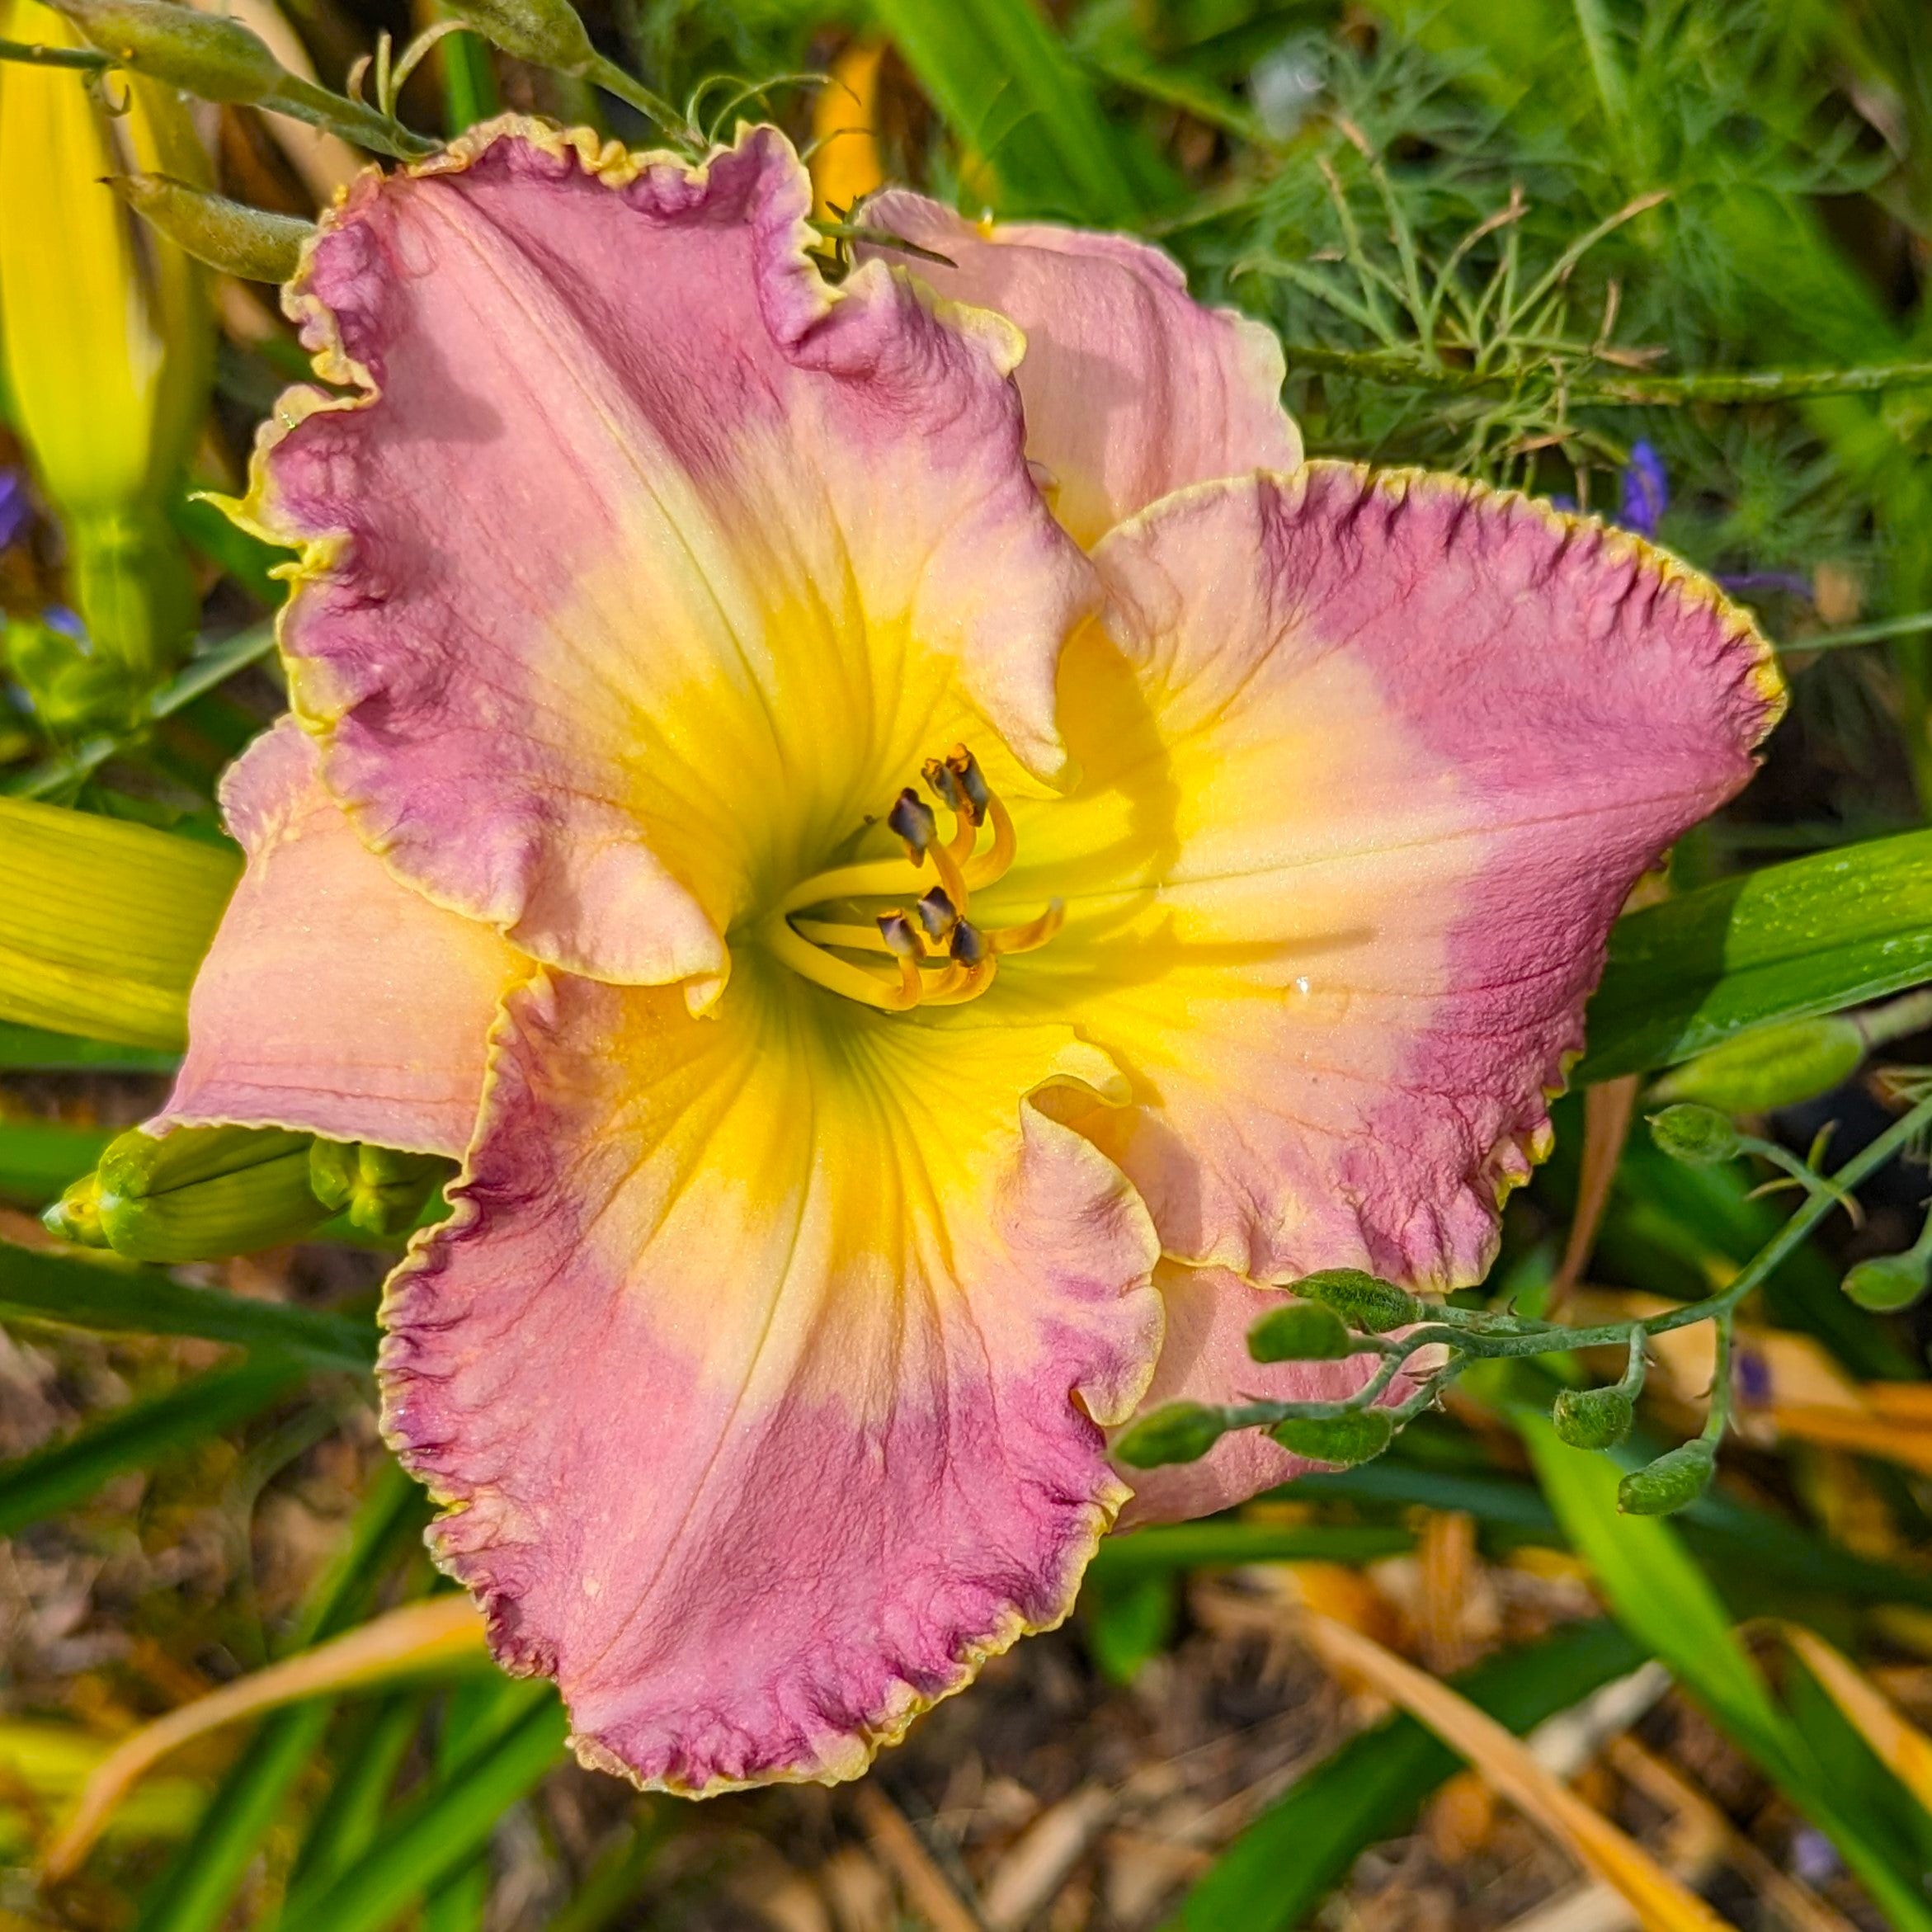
(920, 948)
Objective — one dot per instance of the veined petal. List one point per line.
(765, 1359)
(1372, 763)
(1133, 389)
(1204, 1359)
(335, 1000)
(642, 562)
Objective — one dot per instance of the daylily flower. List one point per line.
(927, 946)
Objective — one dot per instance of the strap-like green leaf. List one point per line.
(1810, 936)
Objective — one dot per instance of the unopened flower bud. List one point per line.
(248, 242)
(1676, 1479)
(1370, 1304)
(1886, 1282)
(1360, 1436)
(102, 923)
(108, 339)
(76, 1216)
(204, 54)
(199, 1194)
(1771, 1066)
(547, 33)
(1176, 1432)
(1700, 1136)
(1593, 1418)
(381, 1191)
(1300, 1332)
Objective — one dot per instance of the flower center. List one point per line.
(830, 928)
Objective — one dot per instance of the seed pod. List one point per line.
(247, 243)
(1700, 1136)
(1371, 1304)
(381, 1191)
(1678, 1476)
(1358, 1437)
(1771, 1066)
(1300, 1332)
(1176, 1432)
(108, 339)
(1886, 1282)
(1593, 1418)
(199, 1194)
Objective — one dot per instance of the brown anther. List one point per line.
(965, 768)
(912, 819)
(968, 943)
(937, 914)
(901, 941)
(944, 784)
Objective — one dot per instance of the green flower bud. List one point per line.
(1176, 1432)
(1886, 1282)
(1593, 1418)
(1369, 1303)
(1301, 1331)
(548, 33)
(1676, 1479)
(76, 1216)
(204, 54)
(199, 1194)
(243, 242)
(1358, 1437)
(1698, 1135)
(381, 1191)
(1771, 1066)
(102, 924)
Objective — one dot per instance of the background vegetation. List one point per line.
(1667, 258)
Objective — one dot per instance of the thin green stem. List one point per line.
(1786, 1241)
(1863, 633)
(32, 53)
(1720, 1409)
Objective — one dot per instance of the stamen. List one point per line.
(937, 914)
(912, 819)
(813, 923)
(1008, 939)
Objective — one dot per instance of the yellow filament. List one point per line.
(881, 878)
(994, 862)
(837, 976)
(1035, 933)
(962, 983)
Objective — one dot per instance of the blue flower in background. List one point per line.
(1644, 495)
(1646, 490)
(16, 512)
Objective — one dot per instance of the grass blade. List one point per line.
(437, 1832)
(139, 1437)
(1015, 95)
(122, 1300)
(1664, 1600)
(195, 1893)
(1278, 1870)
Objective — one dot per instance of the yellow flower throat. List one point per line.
(939, 957)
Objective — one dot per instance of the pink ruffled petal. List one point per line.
(1132, 388)
(765, 1359)
(1204, 1359)
(335, 1000)
(630, 511)
(1372, 763)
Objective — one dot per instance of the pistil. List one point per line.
(942, 957)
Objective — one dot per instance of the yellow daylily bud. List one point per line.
(248, 242)
(102, 924)
(107, 333)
